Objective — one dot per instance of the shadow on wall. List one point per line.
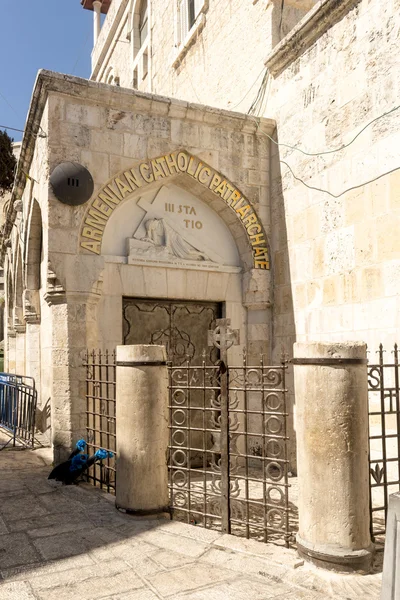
(283, 321)
(42, 420)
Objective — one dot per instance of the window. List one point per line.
(188, 12)
(143, 22)
(140, 44)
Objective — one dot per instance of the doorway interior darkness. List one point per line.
(181, 326)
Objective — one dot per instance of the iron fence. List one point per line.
(384, 436)
(18, 400)
(228, 464)
(100, 415)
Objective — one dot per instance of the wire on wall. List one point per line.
(41, 134)
(354, 187)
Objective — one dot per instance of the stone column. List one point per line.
(332, 454)
(257, 300)
(142, 429)
(74, 329)
(96, 20)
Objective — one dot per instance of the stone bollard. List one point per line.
(142, 429)
(332, 455)
(391, 573)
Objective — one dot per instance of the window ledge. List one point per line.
(184, 47)
(315, 23)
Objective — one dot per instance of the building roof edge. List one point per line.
(314, 24)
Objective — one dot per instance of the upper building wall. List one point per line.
(335, 95)
(216, 46)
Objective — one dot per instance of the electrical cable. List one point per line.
(248, 91)
(281, 18)
(80, 53)
(354, 187)
(10, 105)
(40, 135)
(335, 149)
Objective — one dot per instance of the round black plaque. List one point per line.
(72, 183)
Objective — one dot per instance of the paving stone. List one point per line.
(172, 560)
(278, 554)
(3, 528)
(70, 576)
(188, 577)
(241, 563)
(11, 485)
(43, 569)
(15, 550)
(303, 595)
(75, 520)
(142, 594)
(173, 542)
(13, 508)
(243, 589)
(72, 543)
(93, 588)
(61, 546)
(16, 591)
(58, 502)
(191, 531)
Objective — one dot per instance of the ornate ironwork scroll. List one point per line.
(384, 437)
(228, 451)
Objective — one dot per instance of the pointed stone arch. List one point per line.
(18, 320)
(33, 259)
(199, 178)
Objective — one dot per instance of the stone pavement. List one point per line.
(69, 543)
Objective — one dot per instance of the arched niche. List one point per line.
(166, 223)
(33, 259)
(18, 320)
(192, 174)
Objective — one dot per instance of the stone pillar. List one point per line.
(96, 20)
(257, 300)
(391, 564)
(74, 329)
(142, 429)
(332, 454)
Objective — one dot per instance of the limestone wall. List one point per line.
(223, 60)
(337, 260)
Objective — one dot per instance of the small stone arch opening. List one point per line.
(33, 261)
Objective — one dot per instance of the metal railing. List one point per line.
(18, 400)
(100, 415)
(384, 436)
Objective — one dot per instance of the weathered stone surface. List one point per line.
(16, 549)
(333, 469)
(142, 559)
(16, 591)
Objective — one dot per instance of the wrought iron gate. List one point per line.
(228, 465)
(384, 436)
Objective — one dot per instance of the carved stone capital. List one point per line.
(257, 289)
(55, 293)
(31, 307)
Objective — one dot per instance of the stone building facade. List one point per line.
(251, 195)
(331, 71)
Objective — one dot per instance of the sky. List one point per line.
(39, 34)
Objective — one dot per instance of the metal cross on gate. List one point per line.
(223, 338)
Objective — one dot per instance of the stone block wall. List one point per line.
(337, 260)
(215, 67)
